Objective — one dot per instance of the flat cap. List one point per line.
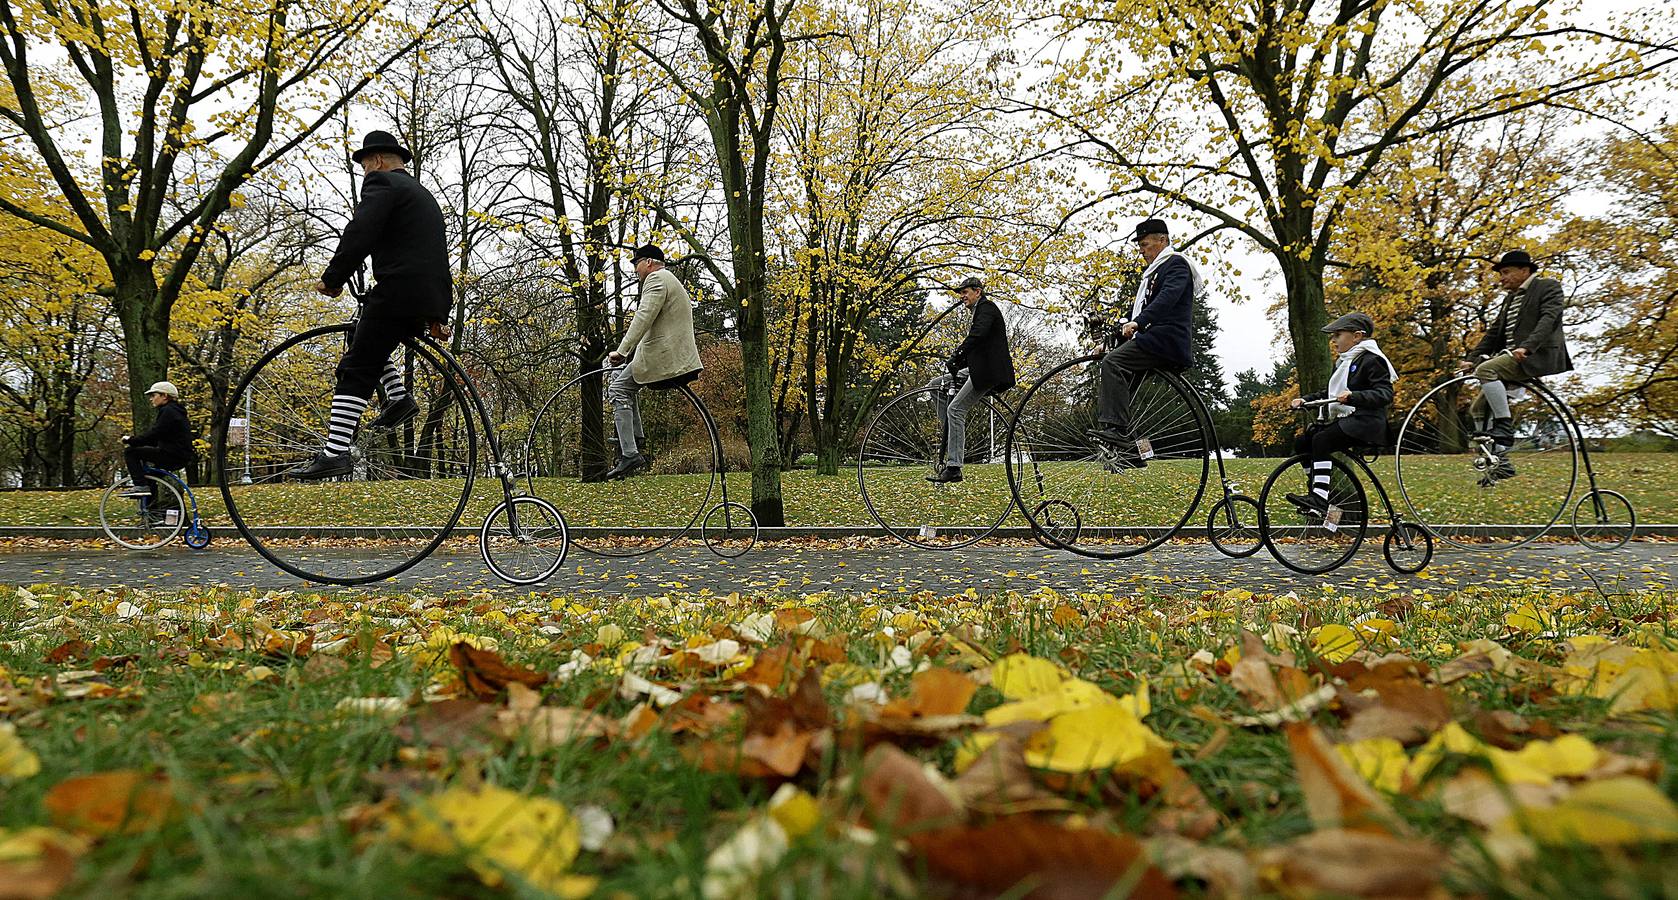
(971, 281)
(1352, 321)
(1150, 226)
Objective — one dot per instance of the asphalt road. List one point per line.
(862, 567)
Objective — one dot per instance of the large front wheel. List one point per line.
(407, 485)
(1477, 494)
(139, 523)
(906, 444)
(1127, 498)
(1312, 537)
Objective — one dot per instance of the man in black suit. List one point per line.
(1155, 337)
(400, 225)
(1529, 326)
(1362, 388)
(990, 370)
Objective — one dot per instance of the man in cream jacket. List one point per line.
(661, 352)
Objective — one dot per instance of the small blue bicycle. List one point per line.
(133, 520)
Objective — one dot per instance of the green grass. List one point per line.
(1153, 497)
(281, 795)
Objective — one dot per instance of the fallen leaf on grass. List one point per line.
(1273, 685)
(455, 724)
(119, 802)
(37, 863)
(16, 759)
(1228, 872)
(899, 794)
(1335, 796)
(486, 675)
(1058, 863)
(73, 649)
(1337, 862)
(934, 692)
(999, 782)
(502, 833)
(1613, 811)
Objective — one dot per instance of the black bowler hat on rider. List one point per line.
(1516, 259)
(381, 142)
(647, 251)
(1353, 321)
(1150, 226)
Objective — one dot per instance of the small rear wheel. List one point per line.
(1604, 520)
(1056, 524)
(1408, 547)
(1233, 526)
(197, 536)
(524, 540)
(1313, 539)
(140, 524)
(729, 529)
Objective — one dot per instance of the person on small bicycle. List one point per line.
(1155, 336)
(985, 357)
(1362, 387)
(399, 224)
(1524, 341)
(659, 346)
(167, 444)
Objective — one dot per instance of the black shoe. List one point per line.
(396, 414)
(324, 465)
(1111, 436)
(1502, 434)
(627, 466)
(946, 475)
(1311, 504)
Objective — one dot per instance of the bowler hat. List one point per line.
(1516, 259)
(1150, 226)
(381, 142)
(647, 251)
(1353, 321)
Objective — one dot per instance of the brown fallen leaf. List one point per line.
(1226, 871)
(119, 802)
(1335, 796)
(1391, 697)
(1273, 685)
(899, 796)
(552, 726)
(486, 675)
(455, 724)
(1058, 863)
(769, 668)
(114, 662)
(72, 649)
(1336, 862)
(37, 863)
(933, 692)
(1473, 794)
(1510, 730)
(999, 782)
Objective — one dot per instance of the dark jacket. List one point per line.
(1167, 314)
(172, 431)
(399, 223)
(984, 353)
(1537, 330)
(1371, 388)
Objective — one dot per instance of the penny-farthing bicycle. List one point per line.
(410, 484)
(905, 443)
(1477, 495)
(1109, 503)
(573, 442)
(139, 522)
(1313, 540)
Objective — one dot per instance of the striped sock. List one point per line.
(1319, 477)
(391, 379)
(346, 415)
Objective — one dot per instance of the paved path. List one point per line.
(788, 567)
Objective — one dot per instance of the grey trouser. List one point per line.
(1118, 373)
(1493, 401)
(626, 411)
(952, 411)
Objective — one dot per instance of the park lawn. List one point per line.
(1649, 480)
(216, 743)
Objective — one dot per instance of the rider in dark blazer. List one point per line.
(1529, 325)
(990, 370)
(1362, 385)
(400, 225)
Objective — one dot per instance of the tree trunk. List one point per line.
(760, 396)
(1306, 318)
(145, 332)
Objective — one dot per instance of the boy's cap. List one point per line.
(1351, 322)
(163, 387)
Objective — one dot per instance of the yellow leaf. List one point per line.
(1528, 618)
(1379, 761)
(503, 833)
(16, 759)
(1106, 736)
(1613, 811)
(1019, 676)
(1334, 643)
(795, 811)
